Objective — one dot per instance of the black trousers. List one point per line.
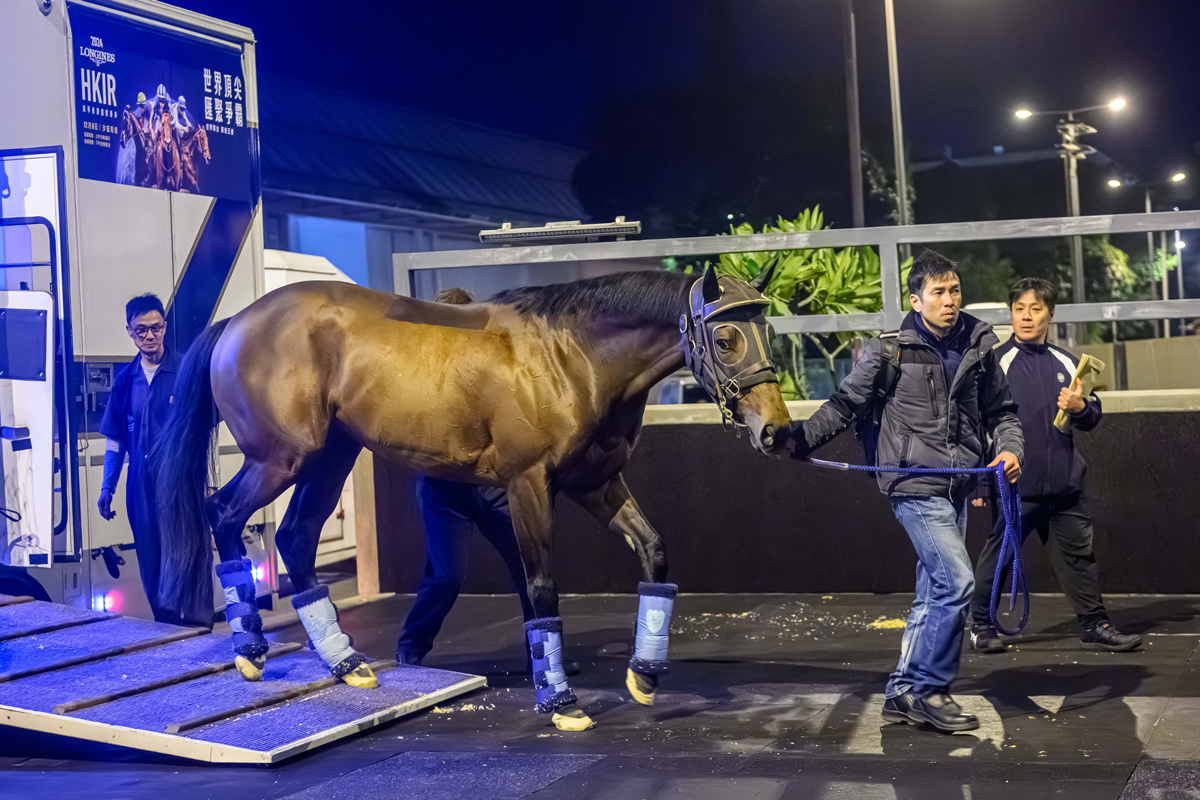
(1065, 527)
(452, 511)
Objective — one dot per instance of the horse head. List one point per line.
(727, 344)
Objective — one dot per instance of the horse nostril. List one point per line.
(767, 437)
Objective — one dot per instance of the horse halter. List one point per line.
(737, 304)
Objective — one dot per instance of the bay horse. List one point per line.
(190, 145)
(539, 390)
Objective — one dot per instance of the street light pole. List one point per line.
(850, 45)
(1166, 286)
(897, 124)
(1071, 129)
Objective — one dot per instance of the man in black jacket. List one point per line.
(1040, 376)
(947, 400)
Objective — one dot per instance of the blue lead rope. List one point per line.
(1010, 509)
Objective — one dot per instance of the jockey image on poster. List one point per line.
(158, 111)
(161, 144)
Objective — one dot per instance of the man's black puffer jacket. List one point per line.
(925, 423)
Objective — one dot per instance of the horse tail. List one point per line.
(179, 464)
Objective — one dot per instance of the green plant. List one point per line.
(810, 281)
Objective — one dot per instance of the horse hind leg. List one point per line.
(317, 491)
(229, 509)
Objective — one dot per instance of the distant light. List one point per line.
(1024, 113)
(729, 216)
(260, 573)
(1114, 183)
(1118, 104)
(1178, 176)
(106, 602)
(1179, 245)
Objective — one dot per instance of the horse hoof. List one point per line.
(641, 687)
(251, 668)
(361, 677)
(572, 719)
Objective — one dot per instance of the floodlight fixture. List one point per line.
(1178, 176)
(1113, 182)
(1117, 104)
(571, 230)
(1024, 113)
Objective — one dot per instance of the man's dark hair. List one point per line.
(143, 304)
(455, 297)
(1042, 289)
(929, 265)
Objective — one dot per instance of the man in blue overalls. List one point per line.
(137, 410)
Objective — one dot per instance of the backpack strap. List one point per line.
(888, 375)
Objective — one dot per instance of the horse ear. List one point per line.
(763, 279)
(711, 286)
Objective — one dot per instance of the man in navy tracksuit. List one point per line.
(1052, 477)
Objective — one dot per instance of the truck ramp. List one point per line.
(174, 690)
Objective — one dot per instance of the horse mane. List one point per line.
(649, 296)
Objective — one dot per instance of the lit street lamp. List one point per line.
(1072, 151)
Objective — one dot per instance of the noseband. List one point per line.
(723, 383)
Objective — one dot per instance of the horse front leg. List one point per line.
(614, 506)
(531, 504)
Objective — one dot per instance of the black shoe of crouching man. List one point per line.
(1105, 637)
(407, 658)
(937, 711)
(985, 639)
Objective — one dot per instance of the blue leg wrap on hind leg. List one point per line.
(653, 628)
(549, 677)
(241, 607)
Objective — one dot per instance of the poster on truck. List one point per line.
(158, 110)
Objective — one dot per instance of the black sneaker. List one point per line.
(407, 658)
(1105, 637)
(937, 711)
(985, 639)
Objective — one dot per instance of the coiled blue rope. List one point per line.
(1010, 509)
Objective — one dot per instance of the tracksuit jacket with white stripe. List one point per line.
(1036, 373)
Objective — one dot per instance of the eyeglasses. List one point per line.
(148, 331)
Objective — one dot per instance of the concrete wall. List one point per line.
(734, 521)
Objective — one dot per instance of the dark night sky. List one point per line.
(558, 70)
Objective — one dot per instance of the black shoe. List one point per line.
(985, 639)
(1105, 637)
(937, 711)
(407, 658)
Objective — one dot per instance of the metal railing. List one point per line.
(887, 239)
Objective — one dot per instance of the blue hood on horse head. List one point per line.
(179, 464)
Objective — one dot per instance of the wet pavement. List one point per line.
(771, 696)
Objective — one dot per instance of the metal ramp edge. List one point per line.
(317, 718)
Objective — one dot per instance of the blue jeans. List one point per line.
(932, 644)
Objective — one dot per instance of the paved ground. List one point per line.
(772, 696)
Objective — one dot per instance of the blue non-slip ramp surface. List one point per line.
(278, 726)
(133, 697)
(44, 650)
(16, 620)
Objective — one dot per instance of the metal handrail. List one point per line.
(888, 239)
